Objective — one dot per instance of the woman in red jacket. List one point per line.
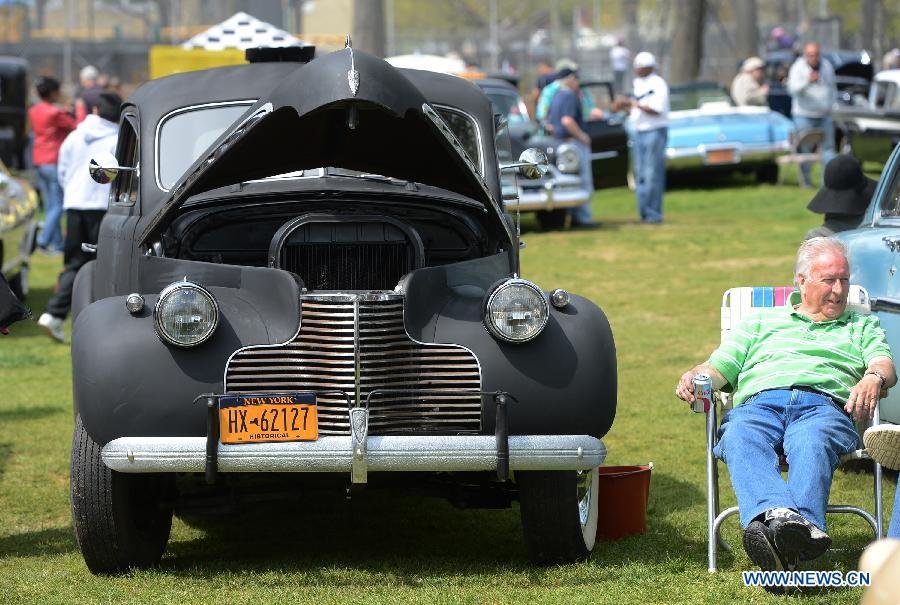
(51, 125)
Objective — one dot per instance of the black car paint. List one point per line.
(127, 382)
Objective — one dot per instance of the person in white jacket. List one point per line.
(84, 200)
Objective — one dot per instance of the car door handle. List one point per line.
(892, 242)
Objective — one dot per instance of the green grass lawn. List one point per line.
(660, 287)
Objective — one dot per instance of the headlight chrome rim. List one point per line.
(568, 159)
(168, 291)
(488, 315)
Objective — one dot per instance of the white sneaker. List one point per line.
(53, 326)
(883, 444)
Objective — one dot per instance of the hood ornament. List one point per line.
(352, 75)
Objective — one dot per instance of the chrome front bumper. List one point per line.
(341, 455)
(696, 157)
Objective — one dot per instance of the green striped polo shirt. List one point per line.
(779, 347)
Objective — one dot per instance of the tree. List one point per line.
(687, 43)
(747, 32)
(368, 26)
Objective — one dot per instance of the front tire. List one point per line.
(551, 220)
(767, 173)
(122, 521)
(559, 514)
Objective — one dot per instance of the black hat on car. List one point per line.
(846, 189)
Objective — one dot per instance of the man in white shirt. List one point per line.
(649, 117)
(85, 201)
(811, 84)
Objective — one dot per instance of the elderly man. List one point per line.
(797, 374)
(811, 84)
(749, 87)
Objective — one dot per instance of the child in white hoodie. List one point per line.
(84, 200)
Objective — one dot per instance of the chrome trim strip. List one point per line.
(334, 454)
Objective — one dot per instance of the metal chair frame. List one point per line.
(859, 301)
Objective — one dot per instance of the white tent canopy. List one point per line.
(447, 65)
(242, 31)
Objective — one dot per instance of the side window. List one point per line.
(127, 184)
(465, 131)
(890, 206)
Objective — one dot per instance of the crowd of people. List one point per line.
(66, 136)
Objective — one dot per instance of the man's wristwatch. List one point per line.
(876, 373)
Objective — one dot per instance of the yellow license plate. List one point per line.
(256, 418)
(720, 156)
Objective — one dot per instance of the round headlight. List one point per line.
(186, 314)
(516, 311)
(568, 159)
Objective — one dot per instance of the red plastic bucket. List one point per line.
(624, 492)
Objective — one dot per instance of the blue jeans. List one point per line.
(810, 429)
(52, 194)
(650, 173)
(828, 151)
(581, 215)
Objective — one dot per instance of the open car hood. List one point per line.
(347, 109)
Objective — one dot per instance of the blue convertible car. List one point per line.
(708, 132)
(874, 257)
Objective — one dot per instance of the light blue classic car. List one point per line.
(708, 132)
(874, 258)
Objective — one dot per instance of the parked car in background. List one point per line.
(871, 127)
(18, 229)
(874, 256)
(13, 111)
(306, 276)
(852, 70)
(562, 187)
(708, 132)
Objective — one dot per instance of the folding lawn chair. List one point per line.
(736, 303)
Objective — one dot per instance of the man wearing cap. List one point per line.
(844, 197)
(649, 116)
(566, 119)
(811, 84)
(749, 87)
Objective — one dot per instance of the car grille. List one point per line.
(348, 266)
(357, 344)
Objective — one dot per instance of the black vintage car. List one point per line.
(306, 273)
(13, 110)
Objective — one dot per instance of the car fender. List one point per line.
(127, 382)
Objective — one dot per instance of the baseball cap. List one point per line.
(89, 72)
(644, 59)
(566, 64)
(752, 63)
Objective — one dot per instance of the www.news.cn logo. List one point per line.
(803, 579)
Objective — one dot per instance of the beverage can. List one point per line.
(702, 394)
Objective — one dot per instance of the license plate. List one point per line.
(259, 417)
(720, 156)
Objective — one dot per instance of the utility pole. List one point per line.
(597, 21)
(67, 44)
(390, 16)
(368, 26)
(495, 38)
(555, 33)
(747, 35)
(687, 46)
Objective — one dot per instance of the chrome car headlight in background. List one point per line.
(186, 314)
(516, 311)
(568, 158)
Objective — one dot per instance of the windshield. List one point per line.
(508, 105)
(693, 97)
(185, 135)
